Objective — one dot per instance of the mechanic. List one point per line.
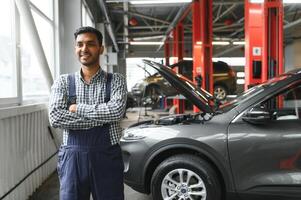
(88, 105)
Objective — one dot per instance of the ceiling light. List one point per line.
(239, 43)
(145, 43)
(284, 1)
(148, 38)
(221, 43)
(256, 1)
(291, 1)
(158, 1)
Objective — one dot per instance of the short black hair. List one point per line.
(89, 29)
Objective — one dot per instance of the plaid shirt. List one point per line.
(91, 109)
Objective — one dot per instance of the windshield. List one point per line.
(251, 92)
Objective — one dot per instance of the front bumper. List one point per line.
(134, 158)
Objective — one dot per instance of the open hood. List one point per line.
(198, 96)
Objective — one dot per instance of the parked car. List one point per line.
(248, 148)
(154, 86)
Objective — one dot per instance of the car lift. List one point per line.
(178, 50)
(202, 44)
(264, 41)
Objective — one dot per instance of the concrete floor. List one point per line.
(50, 189)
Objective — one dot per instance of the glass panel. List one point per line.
(86, 18)
(286, 105)
(7, 65)
(34, 83)
(46, 6)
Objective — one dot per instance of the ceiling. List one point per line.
(152, 22)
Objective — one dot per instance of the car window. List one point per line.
(221, 67)
(251, 92)
(286, 105)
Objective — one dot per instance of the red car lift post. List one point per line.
(167, 51)
(264, 41)
(167, 56)
(202, 43)
(178, 50)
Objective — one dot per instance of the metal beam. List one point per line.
(125, 25)
(108, 23)
(228, 3)
(225, 13)
(145, 33)
(147, 27)
(292, 24)
(226, 27)
(24, 9)
(143, 16)
(174, 22)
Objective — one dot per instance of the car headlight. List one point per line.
(132, 134)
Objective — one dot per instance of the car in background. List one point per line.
(248, 148)
(154, 86)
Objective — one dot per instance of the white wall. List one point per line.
(292, 57)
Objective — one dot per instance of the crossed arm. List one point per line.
(84, 116)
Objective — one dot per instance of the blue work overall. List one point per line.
(89, 164)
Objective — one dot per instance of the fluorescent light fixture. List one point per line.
(284, 1)
(221, 43)
(239, 43)
(148, 38)
(158, 1)
(145, 43)
(256, 1)
(240, 74)
(291, 1)
(240, 81)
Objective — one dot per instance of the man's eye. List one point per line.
(91, 44)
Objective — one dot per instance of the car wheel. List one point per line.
(185, 177)
(220, 92)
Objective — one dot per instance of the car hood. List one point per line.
(198, 96)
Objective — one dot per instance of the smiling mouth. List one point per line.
(85, 56)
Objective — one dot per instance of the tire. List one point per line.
(201, 173)
(220, 92)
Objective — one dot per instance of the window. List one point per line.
(33, 81)
(86, 16)
(46, 6)
(7, 52)
(286, 105)
(20, 74)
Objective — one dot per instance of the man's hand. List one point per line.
(72, 108)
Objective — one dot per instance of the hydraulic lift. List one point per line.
(178, 50)
(202, 47)
(264, 41)
(202, 44)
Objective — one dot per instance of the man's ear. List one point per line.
(101, 50)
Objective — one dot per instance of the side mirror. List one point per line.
(257, 116)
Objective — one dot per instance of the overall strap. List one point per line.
(72, 92)
(108, 87)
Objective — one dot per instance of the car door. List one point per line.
(265, 147)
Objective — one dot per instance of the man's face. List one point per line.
(88, 49)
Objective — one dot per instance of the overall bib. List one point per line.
(89, 164)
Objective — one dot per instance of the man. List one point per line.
(88, 106)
